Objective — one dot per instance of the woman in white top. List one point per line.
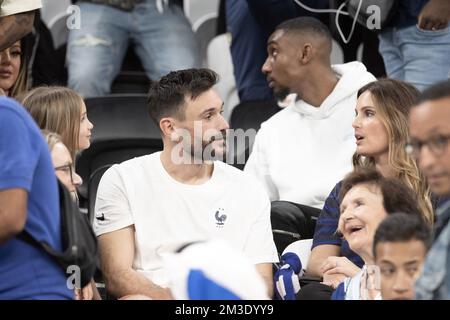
(366, 199)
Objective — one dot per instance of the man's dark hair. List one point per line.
(306, 24)
(397, 197)
(167, 97)
(402, 227)
(435, 92)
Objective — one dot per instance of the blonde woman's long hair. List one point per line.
(57, 109)
(20, 86)
(393, 100)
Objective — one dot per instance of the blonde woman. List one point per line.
(381, 133)
(61, 110)
(390, 101)
(63, 164)
(13, 70)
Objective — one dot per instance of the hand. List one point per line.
(84, 294)
(339, 265)
(333, 280)
(434, 15)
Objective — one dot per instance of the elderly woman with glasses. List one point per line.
(381, 132)
(62, 161)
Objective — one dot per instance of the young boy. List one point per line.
(400, 245)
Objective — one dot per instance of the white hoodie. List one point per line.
(301, 152)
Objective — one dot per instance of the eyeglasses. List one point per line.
(437, 145)
(68, 169)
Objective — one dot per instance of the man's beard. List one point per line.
(281, 93)
(208, 152)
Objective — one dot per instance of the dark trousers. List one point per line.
(292, 222)
(315, 291)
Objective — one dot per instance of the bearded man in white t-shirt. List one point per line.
(151, 205)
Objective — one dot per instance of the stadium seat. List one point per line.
(291, 222)
(130, 82)
(249, 115)
(92, 186)
(132, 77)
(122, 130)
(205, 30)
(219, 60)
(93, 182)
(58, 29)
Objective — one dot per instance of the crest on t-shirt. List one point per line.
(100, 217)
(220, 218)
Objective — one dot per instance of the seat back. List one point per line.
(122, 130)
(93, 183)
(131, 82)
(58, 29)
(205, 30)
(249, 115)
(219, 59)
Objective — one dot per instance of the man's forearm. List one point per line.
(15, 27)
(269, 284)
(129, 282)
(313, 268)
(5, 234)
(265, 270)
(9, 227)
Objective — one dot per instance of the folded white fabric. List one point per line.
(212, 270)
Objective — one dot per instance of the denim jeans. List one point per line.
(164, 41)
(421, 57)
(248, 51)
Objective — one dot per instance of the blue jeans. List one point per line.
(163, 42)
(248, 51)
(418, 56)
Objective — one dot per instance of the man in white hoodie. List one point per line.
(301, 152)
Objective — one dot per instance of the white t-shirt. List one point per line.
(10, 7)
(166, 213)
